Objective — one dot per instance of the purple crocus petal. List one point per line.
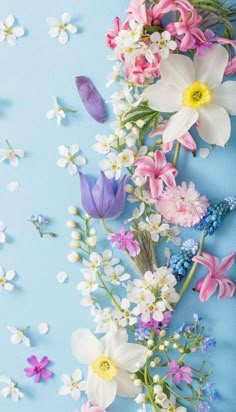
(119, 201)
(103, 194)
(32, 360)
(44, 362)
(87, 198)
(29, 371)
(91, 99)
(37, 377)
(46, 374)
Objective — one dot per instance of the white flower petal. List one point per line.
(2, 237)
(64, 390)
(19, 153)
(51, 114)
(163, 97)
(63, 150)
(125, 386)
(8, 287)
(12, 40)
(5, 392)
(61, 277)
(13, 186)
(177, 70)
(16, 338)
(75, 394)
(77, 375)
(10, 21)
(214, 124)
(5, 379)
(72, 169)
(61, 162)
(10, 274)
(66, 379)
(74, 148)
(225, 95)
(179, 124)
(204, 152)
(26, 341)
(63, 37)
(210, 67)
(72, 29)
(14, 161)
(53, 32)
(43, 328)
(2, 226)
(79, 160)
(128, 355)
(18, 31)
(2, 36)
(100, 392)
(52, 21)
(65, 18)
(85, 346)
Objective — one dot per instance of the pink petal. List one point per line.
(160, 160)
(188, 142)
(44, 362)
(226, 287)
(198, 285)
(226, 264)
(186, 378)
(206, 260)
(176, 377)
(208, 288)
(33, 360)
(145, 160)
(37, 378)
(46, 374)
(156, 187)
(29, 371)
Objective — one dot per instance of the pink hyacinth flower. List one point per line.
(158, 172)
(139, 70)
(231, 66)
(38, 368)
(138, 11)
(125, 241)
(87, 407)
(179, 373)
(186, 140)
(113, 33)
(216, 277)
(165, 6)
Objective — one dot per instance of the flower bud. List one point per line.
(166, 343)
(162, 333)
(74, 244)
(140, 398)
(177, 336)
(175, 346)
(73, 210)
(76, 235)
(73, 257)
(152, 364)
(71, 224)
(150, 343)
(162, 347)
(138, 382)
(92, 231)
(138, 365)
(91, 241)
(156, 378)
(140, 123)
(149, 353)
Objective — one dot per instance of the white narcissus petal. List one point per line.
(63, 37)
(100, 392)
(2, 36)
(214, 124)
(65, 18)
(72, 169)
(77, 375)
(225, 95)
(85, 346)
(10, 274)
(52, 21)
(79, 160)
(18, 31)
(10, 21)
(163, 97)
(53, 32)
(178, 70)
(180, 123)
(71, 28)
(210, 67)
(63, 150)
(128, 355)
(74, 148)
(12, 40)
(61, 162)
(125, 386)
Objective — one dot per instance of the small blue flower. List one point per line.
(204, 407)
(142, 334)
(209, 391)
(181, 263)
(207, 343)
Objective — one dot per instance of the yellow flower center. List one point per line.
(70, 159)
(171, 409)
(162, 43)
(74, 384)
(7, 31)
(2, 280)
(196, 95)
(61, 27)
(104, 368)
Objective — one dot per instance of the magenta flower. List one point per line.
(125, 241)
(179, 373)
(158, 172)
(38, 368)
(215, 277)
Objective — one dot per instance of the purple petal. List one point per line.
(103, 194)
(87, 198)
(46, 374)
(33, 360)
(118, 203)
(92, 100)
(29, 371)
(44, 362)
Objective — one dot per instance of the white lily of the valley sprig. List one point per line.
(10, 32)
(18, 336)
(72, 385)
(2, 230)
(10, 389)
(71, 160)
(11, 155)
(61, 27)
(58, 112)
(5, 278)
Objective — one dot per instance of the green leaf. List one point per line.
(142, 112)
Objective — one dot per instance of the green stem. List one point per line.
(194, 267)
(109, 292)
(105, 227)
(149, 393)
(176, 153)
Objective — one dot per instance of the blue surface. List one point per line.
(31, 73)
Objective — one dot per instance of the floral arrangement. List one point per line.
(171, 58)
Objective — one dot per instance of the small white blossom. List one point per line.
(87, 301)
(154, 226)
(92, 265)
(162, 44)
(151, 310)
(116, 274)
(10, 32)
(61, 277)
(170, 405)
(5, 278)
(126, 158)
(2, 234)
(107, 259)
(137, 213)
(18, 336)
(57, 112)
(114, 75)
(70, 160)
(89, 285)
(72, 386)
(104, 144)
(171, 235)
(125, 317)
(61, 27)
(104, 319)
(43, 328)
(111, 166)
(73, 257)
(10, 389)
(160, 396)
(11, 155)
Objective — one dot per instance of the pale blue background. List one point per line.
(30, 74)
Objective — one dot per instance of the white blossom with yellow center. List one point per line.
(72, 385)
(61, 28)
(111, 360)
(193, 89)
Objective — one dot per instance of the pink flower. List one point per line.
(201, 47)
(86, 407)
(186, 140)
(158, 172)
(137, 11)
(38, 368)
(139, 70)
(113, 33)
(182, 205)
(231, 66)
(125, 241)
(178, 373)
(216, 277)
(165, 6)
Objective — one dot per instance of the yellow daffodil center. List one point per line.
(104, 368)
(196, 95)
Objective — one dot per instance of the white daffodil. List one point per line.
(2, 234)
(72, 386)
(5, 278)
(61, 27)
(11, 155)
(111, 360)
(18, 336)
(10, 389)
(10, 32)
(71, 160)
(57, 112)
(193, 89)
(162, 44)
(169, 405)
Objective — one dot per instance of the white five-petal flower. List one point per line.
(10, 32)
(70, 160)
(18, 336)
(111, 360)
(10, 389)
(61, 27)
(162, 44)
(57, 112)
(5, 278)
(11, 155)
(72, 385)
(193, 89)
(2, 230)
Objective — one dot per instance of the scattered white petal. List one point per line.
(204, 152)
(61, 277)
(43, 328)
(13, 186)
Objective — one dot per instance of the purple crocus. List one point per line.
(38, 368)
(103, 200)
(125, 241)
(179, 373)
